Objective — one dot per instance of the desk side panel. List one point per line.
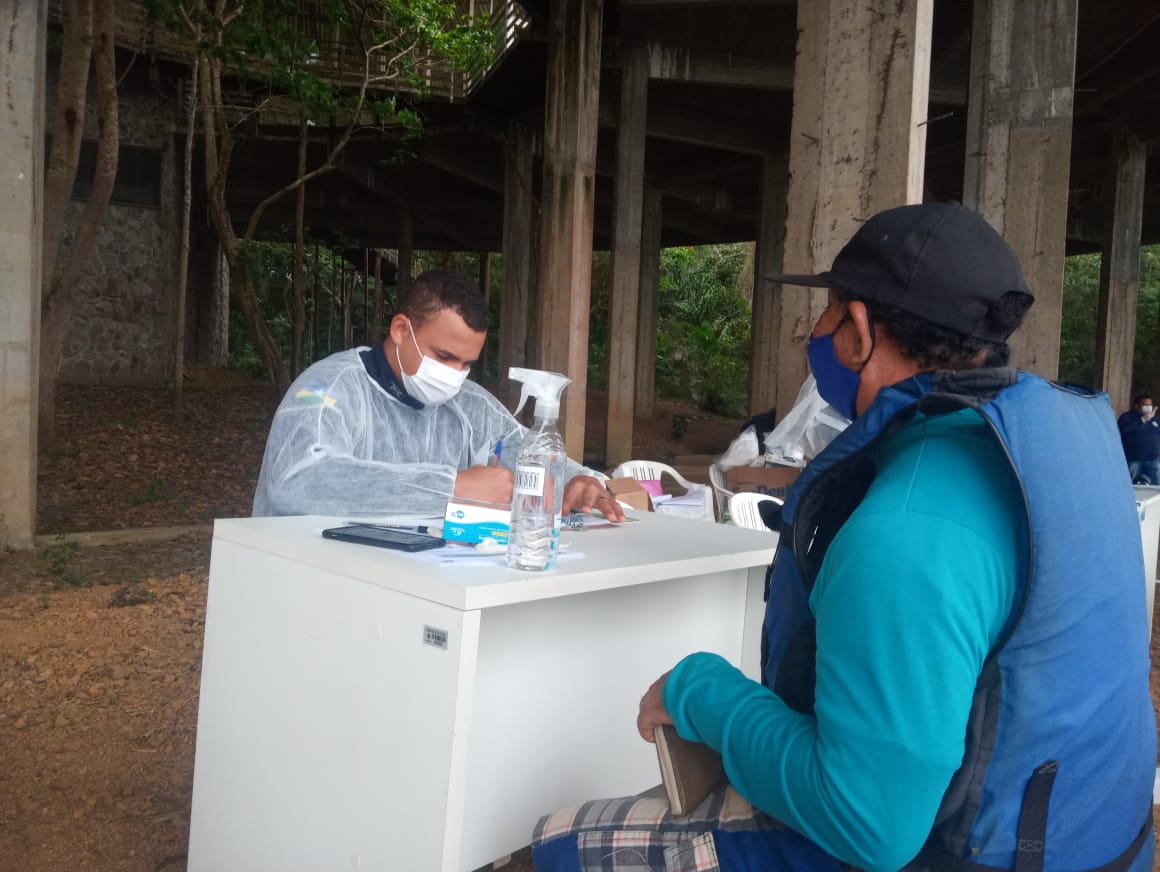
(324, 721)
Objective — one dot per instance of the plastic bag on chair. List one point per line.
(801, 435)
(805, 430)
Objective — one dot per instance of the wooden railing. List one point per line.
(508, 22)
(341, 59)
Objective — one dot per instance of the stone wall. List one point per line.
(123, 317)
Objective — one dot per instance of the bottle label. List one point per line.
(530, 480)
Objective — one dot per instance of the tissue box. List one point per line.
(629, 492)
(472, 521)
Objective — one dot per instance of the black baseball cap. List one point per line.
(939, 262)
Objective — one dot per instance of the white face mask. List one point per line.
(1146, 409)
(433, 383)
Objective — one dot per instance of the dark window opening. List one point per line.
(138, 181)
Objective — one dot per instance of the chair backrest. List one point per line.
(648, 470)
(745, 509)
(721, 494)
(652, 470)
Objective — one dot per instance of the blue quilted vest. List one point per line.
(1061, 744)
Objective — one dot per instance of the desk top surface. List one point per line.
(655, 548)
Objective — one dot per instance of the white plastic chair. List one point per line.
(652, 470)
(721, 494)
(745, 509)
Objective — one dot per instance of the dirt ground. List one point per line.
(100, 645)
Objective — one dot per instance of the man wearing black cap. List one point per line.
(955, 655)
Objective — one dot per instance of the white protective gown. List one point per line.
(340, 445)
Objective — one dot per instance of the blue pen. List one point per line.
(407, 527)
(498, 453)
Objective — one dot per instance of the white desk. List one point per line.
(1148, 508)
(333, 735)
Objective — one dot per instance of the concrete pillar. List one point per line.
(24, 25)
(1019, 116)
(628, 209)
(646, 313)
(519, 269)
(857, 144)
(572, 116)
(1120, 270)
(769, 251)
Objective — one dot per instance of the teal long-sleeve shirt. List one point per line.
(912, 595)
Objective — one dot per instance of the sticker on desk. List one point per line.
(435, 637)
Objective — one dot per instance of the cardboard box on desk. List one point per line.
(629, 492)
(772, 480)
(473, 521)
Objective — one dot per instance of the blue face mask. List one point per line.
(837, 384)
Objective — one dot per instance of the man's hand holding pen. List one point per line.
(492, 483)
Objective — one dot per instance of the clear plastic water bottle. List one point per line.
(534, 538)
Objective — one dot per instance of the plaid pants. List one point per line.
(639, 834)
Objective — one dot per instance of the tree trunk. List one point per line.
(377, 318)
(183, 260)
(68, 124)
(316, 268)
(61, 295)
(218, 150)
(298, 314)
(347, 297)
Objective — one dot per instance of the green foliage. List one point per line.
(703, 328)
(59, 558)
(270, 44)
(1077, 344)
(1081, 291)
(269, 266)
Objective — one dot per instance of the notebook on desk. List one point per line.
(690, 771)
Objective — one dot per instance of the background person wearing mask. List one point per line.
(955, 664)
(1140, 435)
(398, 428)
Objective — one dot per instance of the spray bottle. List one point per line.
(538, 492)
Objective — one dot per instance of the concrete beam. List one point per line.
(21, 195)
(682, 63)
(681, 127)
(379, 183)
(463, 167)
(647, 4)
(679, 63)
